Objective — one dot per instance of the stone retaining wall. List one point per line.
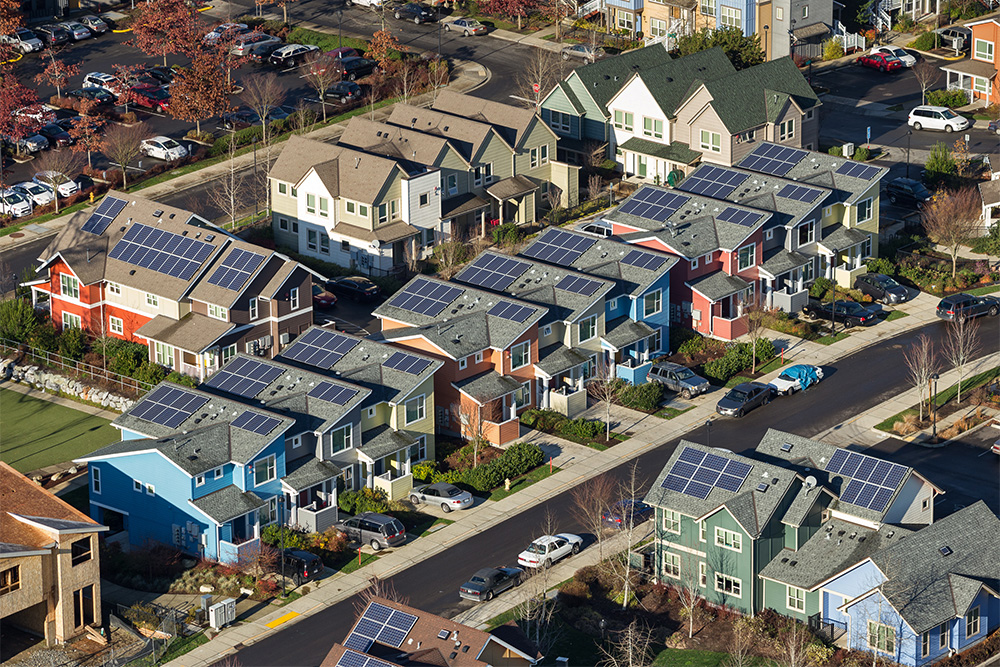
(47, 380)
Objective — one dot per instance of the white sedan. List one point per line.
(547, 549)
(903, 56)
(40, 195)
(796, 378)
(163, 148)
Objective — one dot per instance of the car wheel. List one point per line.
(881, 68)
(445, 508)
(547, 563)
(998, 130)
(740, 413)
(414, 500)
(893, 199)
(447, 28)
(416, 19)
(376, 545)
(848, 324)
(948, 129)
(767, 399)
(565, 56)
(993, 311)
(297, 579)
(291, 63)
(686, 394)
(352, 76)
(488, 596)
(576, 548)
(916, 126)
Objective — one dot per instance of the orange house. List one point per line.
(977, 74)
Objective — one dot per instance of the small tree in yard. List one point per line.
(689, 595)
(195, 94)
(263, 94)
(405, 75)
(961, 345)
(951, 219)
(86, 132)
(473, 420)
(555, 11)
(284, 9)
(381, 48)
(755, 317)
(225, 194)
(513, 8)
(605, 389)
(540, 74)
(590, 501)
(740, 645)
(620, 566)
(926, 75)
(321, 73)
(126, 73)
(595, 185)
(940, 163)
(52, 166)
(122, 145)
(921, 363)
(437, 75)
(164, 27)
(554, 198)
(630, 647)
(57, 73)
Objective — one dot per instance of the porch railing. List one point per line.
(848, 40)
(396, 488)
(788, 300)
(317, 520)
(588, 8)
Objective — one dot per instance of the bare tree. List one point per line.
(754, 315)
(304, 118)
(411, 253)
(378, 588)
(537, 609)
(225, 192)
(406, 80)
(595, 185)
(630, 647)
(263, 94)
(122, 145)
(689, 595)
(55, 167)
(793, 644)
(620, 565)
(921, 362)
(437, 75)
(951, 219)
(605, 389)
(473, 420)
(590, 501)
(540, 74)
(554, 198)
(321, 73)
(926, 75)
(740, 645)
(961, 345)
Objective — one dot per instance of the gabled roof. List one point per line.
(487, 387)
(381, 441)
(228, 503)
(308, 471)
(209, 292)
(671, 83)
(513, 123)
(415, 149)
(193, 333)
(604, 78)
(467, 136)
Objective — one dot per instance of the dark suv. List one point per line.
(907, 191)
(52, 35)
(301, 566)
(881, 288)
(413, 11)
(968, 306)
(355, 68)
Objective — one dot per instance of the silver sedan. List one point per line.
(448, 496)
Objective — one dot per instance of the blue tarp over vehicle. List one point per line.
(806, 375)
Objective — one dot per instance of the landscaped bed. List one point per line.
(977, 391)
(588, 432)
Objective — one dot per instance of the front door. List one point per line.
(640, 161)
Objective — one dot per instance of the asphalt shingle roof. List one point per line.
(194, 332)
(750, 97)
(382, 441)
(604, 78)
(487, 386)
(624, 331)
(674, 152)
(228, 503)
(308, 471)
(558, 358)
(717, 286)
(21, 497)
(671, 82)
(416, 149)
(467, 136)
(779, 260)
(839, 237)
(511, 122)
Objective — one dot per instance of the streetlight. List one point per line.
(909, 135)
(340, 28)
(767, 47)
(708, 432)
(281, 520)
(934, 379)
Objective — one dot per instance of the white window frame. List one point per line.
(786, 129)
(655, 128)
(657, 297)
(311, 203)
(707, 7)
(735, 585)
(522, 350)
(547, 330)
(728, 539)
(95, 480)
(672, 522)
(624, 120)
(944, 635)
(114, 288)
(885, 636)
(254, 311)
(969, 621)
(270, 465)
(522, 397)
(625, 20)
(779, 13)
(671, 565)
(71, 321)
(867, 204)
(702, 531)
(752, 257)
(137, 486)
(987, 53)
(269, 512)
(370, 412)
(925, 644)
(452, 183)
(69, 286)
(810, 229)
(479, 357)
(152, 300)
(116, 325)
(591, 322)
(282, 188)
(711, 141)
(463, 363)
(217, 312)
(795, 599)
(293, 298)
(420, 409)
(827, 211)
(805, 11)
(348, 435)
(768, 234)
(199, 480)
(296, 441)
(980, 85)
(702, 574)
(324, 207)
(657, 27)
(731, 17)
(228, 352)
(533, 153)
(150, 490)
(560, 121)
(163, 354)
(217, 472)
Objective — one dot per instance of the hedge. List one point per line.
(516, 460)
(365, 500)
(645, 397)
(738, 357)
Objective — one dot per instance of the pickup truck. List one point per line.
(371, 4)
(848, 313)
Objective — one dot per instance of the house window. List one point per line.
(483, 174)
(728, 585)
(657, 27)
(746, 257)
(522, 396)
(547, 330)
(311, 203)
(587, 328)
(807, 233)
(114, 288)
(463, 363)
(796, 599)
(655, 341)
(228, 352)
(864, 210)
(779, 13)
(702, 574)
(152, 300)
(452, 184)
(218, 312)
(137, 486)
(809, 115)
(943, 635)
(786, 129)
(418, 451)
(805, 11)
(253, 308)
(702, 531)
(732, 17)
(479, 357)
(625, 20)
(293, 298)
(264, 470)
(768, 234)
(672, 522)
(163, 354)
(925, 504)
(295, 193)
(972, 623)
(652, 127)
(283, 188)
(984, 50)
(150, 490)
(425, 199)
(652, 303)
(341, 439)
(672, 565)
(370, 412)
(324, 207)
(363, 210)
(311, 239)
(69, 286)
(351, 207)
(415, 410)
(324, 243)
(980, 85)
(728, 539)
(624, 120)
(559, 121)
(827, 211)
(534, 157)
(881, 637)
(520, 355)
(116, 325)
(10, 580)
(383, 213)
(711, 141)
(925, 644)
(81, 551)
(708, 7)
(199, 480)
(269, 512)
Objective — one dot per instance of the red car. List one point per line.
(883, 62)
(322, 298)
(151, 97)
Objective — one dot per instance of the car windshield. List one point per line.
(473, 23)
(477, 580)
(157, 93)
(736, 395)
(453, 491)
(169, 143)
(899, 53)
(889, 282)
(14, 198)
(949, 114)
(24, 33)
(33, 188)
(536, 548)
(921, 191)
(685, 374)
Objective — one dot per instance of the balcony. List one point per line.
(244, 552)
(728, 329)
(845, 275)
(568, 401)
(316, 520)
(788, 300)
(396, 488)
(633, 371)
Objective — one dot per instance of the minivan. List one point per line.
(937, 118)
(378, 530)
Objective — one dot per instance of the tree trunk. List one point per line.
(954, 262)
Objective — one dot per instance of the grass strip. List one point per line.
(353, 564)
(438, 522)
(896, 315)
(979, 291)
(670, 413)
(830, 340)
(524, 481)
(942, 397)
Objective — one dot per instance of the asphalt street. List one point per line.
(14, 262)
(853, 385)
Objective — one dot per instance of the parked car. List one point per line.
(344, 92)
(64, 186)
(68, 123)
(301, 566)
(225, 31)
(937, 118)
(342, 52)
(883, 62)
(356, 288)
(151, 97)
(291, 55)
(260, 53)
(596, 229)
(77, 31)
(52, 34)
(239, 119)
(996, 448)
(466, 27)
(94, 94)
(548, 549)
(882, 288)
(584, 52)
(106, 81)
(40, 195)
(489, 581)
(414, 11)
(322, 298)
(96, 25)
(378, 530)
(280, 113)
(678, 378)
(163, 75)
(848, 313)
(14, 203)
(355, 68)
(23, 40)
(56, 135)
(956, 36)
(968, 306)
(796, 378)
(448, 496)
(743, 398)
(629, 511)
(907, 191)
(243, 43)
(29, 144)
(371, 4)
(898, 53)
(163, 148)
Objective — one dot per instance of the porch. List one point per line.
(785, 276)
(236, 515)
(233, 553)
(385, 457)
(560, 374)
(310, 491)
(843, 252)
(829, 629)
(717, 305)
(192, 338)
(515, 198)
(628, 345)
(466, 215)
(974, 77)
(379, 252)
(657, 163)
(490, 402)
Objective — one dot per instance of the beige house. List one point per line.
(50, 574)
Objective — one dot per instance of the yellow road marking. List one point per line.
(282, 619)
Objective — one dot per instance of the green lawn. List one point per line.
(979, 291)
(37, 433)
(896, 315)
(772, 365)
(670, 413)
(536, 475)
(829, 340)
(675, 657)
(438, 522)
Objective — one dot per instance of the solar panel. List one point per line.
(712, 181)
(739, 216)
(695, 473)
(391, 636)
(244, 377)
(352, 659)
(511, 311)
(858, 170)
(236, 268)
(881, 499)
(558, 247)
(653, 204)
(406, 363)
(836, 462)
(382, 624)
(493, 272)
(161, 251)
(333, 393)
(799, 193)
(357, 642)
(425, 297)
(320, 348)
(106, 211)
(578, 285)
(255, 423)
(873, 481)
(773, 159)
(168, 406)
(643, 260)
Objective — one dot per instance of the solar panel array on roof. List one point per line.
(712, 181)
(511, 311)
(773, 159)
(873, 481)
(406, 363)
(653, 204)
(255, 423)
(696, 473)
(381, 624)
(800, 193)
(236, 268)
(559, 247)
(578, 285)
(353, 659)
(493, 272)
(333, 393)
(320, 348)
(858, 170)
(164, 252)
(244, 377)
(106, 211)
(739, 217)
(425, 297)
(168, 406)
(643, 260)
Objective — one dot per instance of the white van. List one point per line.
(937, 118)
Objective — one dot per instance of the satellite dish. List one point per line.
(810, 482)
(376, 244)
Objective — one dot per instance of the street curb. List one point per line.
(945, 443)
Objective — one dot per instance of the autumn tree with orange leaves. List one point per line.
(86, 131)
(196, 94)
(381, 47)
(164, 27)
(57, 73)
